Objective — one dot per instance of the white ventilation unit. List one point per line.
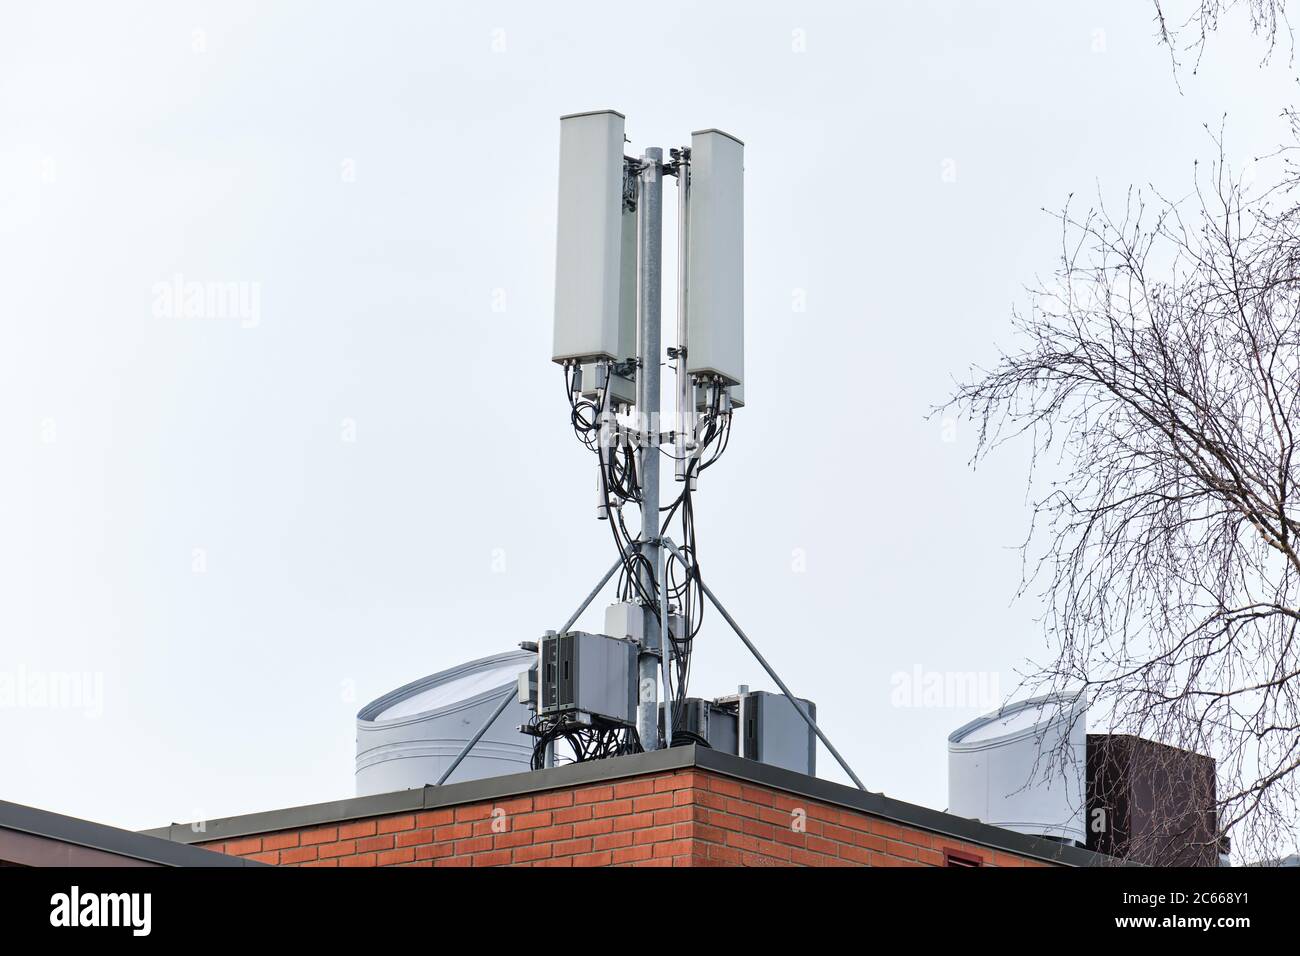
(409, 736)
(1023, 768)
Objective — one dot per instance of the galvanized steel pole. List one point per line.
(649, 255)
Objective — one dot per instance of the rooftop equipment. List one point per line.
(584, 676)
(1022, 768)
(595, 270)
(716, 295)
(600, 694)
(1151, 803)
(408, 737)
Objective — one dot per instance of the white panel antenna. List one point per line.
(715, 343)
(589, 253)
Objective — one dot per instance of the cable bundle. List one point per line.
(620, 480)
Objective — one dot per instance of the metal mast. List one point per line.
(649, 288)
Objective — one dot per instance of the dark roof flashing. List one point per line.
(148, 848)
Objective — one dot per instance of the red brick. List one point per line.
(506, 840)
(610, 841)
(871, 842)
(322, 863)
(631, 854)
(705, 833)
(361, 859)
(433, 851)
(371, 844)
(298, 854)
(759, 795)
(362, 828)
(653, 835)
(703, 798)
(673, 848)
(319, 835)
(819, 812)
(594, 795)
(613, 808)
(551, 834)
(593, 859)
(675, 815)
(804, 858)
(742, 841)
(279, 841)
(453, 831)
(435, 818)
(778, 818)
(656, 801)
(514, 807)
(839, 834)
(338, 849)
(725, 821)
(455, 861)
(393, 824)
(592, 827)
(904, 850)
(679, 781)
(244, 846)
(572, 814)
(527, 854)
(527, 821)
(818, 845)
(725, 855)
(474, 845)
(727, 787)
(392, 857)
(888, 830)
(791, 838)
(634, 788)
(272, 857)
(474, 812)
(550, 801)
(494, 858)
(856, 853)
(412, 837)
(635, 821)
(572, 847)
(742, 808)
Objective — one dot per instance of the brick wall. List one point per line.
(673, 818)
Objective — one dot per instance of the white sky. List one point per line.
(385, 174)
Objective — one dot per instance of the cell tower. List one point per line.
(626, 690)
(608, 340)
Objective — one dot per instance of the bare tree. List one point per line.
(1186, 25)
(1159, 384)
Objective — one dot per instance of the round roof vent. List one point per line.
(409, 736)
(1022, 768)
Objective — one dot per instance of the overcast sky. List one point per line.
(242, 528)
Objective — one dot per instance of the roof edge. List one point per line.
(618, 768)
(147, 847)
